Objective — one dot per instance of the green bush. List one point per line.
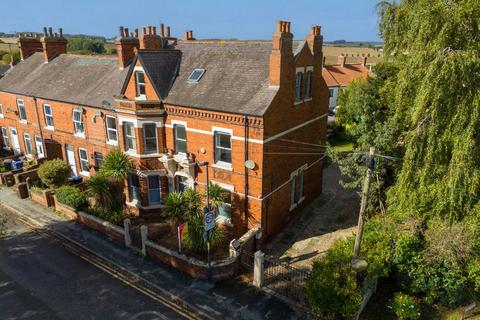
(54, 173)
(332, 289)
(405, 307)
(101, 188)
(71, 197)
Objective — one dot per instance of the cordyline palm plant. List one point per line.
(174, 208)
(116, 166)
(194, 238)
(101, 188)
(216, 195)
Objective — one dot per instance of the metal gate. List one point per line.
(286, 280)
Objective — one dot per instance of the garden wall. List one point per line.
(44, 198)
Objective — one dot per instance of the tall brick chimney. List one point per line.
(281, 57)
(341, 60)
(315, 43)
(149, 39)
(188, 35)
(126, 45)
(29, 44)
(53, 44)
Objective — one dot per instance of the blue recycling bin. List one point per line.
(17, 165)
(76, 179)
(8, 164)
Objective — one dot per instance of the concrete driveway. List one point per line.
(330, 217)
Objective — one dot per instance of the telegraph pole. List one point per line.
(363, 205)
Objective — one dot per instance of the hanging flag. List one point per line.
(181, 230)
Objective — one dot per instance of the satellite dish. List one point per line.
(249, 164)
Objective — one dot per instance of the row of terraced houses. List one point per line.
(256, 111)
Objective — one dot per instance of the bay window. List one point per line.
(111, 125)
(154, 190)
(129, 136)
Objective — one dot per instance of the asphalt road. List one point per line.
(40, 279)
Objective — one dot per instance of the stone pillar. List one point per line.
(143, 234)
(234, 248)
(128, 238)
(258, 269)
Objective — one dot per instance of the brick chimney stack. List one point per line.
(28, 44)
(188, 35)
(53, 44)
(281, 57)
(363, 60)
(149, 39)
(341, 60)
(126, 45)
(315, 43)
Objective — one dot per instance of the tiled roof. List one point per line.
(3, 69)
(82, 80)
(235, 79)
(338, 76)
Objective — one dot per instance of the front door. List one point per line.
(39, 147)
(71, 158)
(15, 143)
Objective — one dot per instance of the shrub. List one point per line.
(54, 173)
(405, 307)
(332, 289)
(101, 188)
(71, 196)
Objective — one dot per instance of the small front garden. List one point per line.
(102, 195)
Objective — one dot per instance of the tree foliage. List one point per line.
(54, 173)
(85, 45)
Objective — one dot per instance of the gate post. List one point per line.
(258, 269)
(143, 234)
(127, 237)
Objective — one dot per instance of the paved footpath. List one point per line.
(330, 217)
(226, 300)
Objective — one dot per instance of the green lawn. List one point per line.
(342, 145)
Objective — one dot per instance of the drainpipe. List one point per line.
(40, 129)
(246, 174)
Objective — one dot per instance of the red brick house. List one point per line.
(171, 104)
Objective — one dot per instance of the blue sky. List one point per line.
(354, 20)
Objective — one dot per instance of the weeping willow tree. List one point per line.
(436, 45)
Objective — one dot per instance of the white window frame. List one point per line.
(133, 137)
(39, 140)
(308, 84)
(113, 130)
(77, 123)
(95, 158)
(231, 189)
(297, 179)
(175, 138)
(21, 106)
(159, 189)
(5, 138)
(138, 84)
(300, 98)
(26, 137)
(1, 111)
(150, 138)
(202, 72)
(50, 115)
(219, 163)
(82, 161)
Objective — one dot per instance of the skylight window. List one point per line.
(196, 75)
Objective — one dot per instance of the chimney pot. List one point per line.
(288, 26)
(279, 25)
(168, 31)
(45, 31)
(144, 31)
(56, 35)
(50, 31)
(149, 29)
(60, 30)
(191, 34)
(135, 33)
(126, 32)
(120, 31)
(154, 29)
(162, 31)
